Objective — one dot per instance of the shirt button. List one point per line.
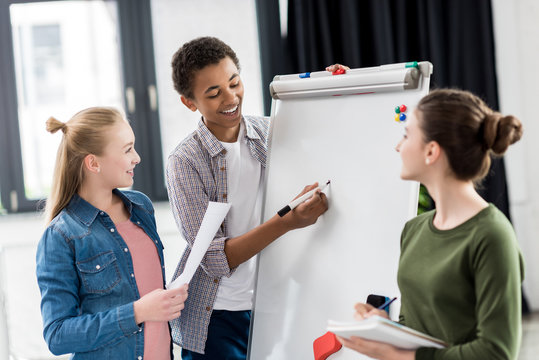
(156, 242)
(223, 168)
(216, 280)
(208, 308)
(138, 222)
(98, 267)
(126, 249)
(111, 230)
(132, 275)
(224, 196)
(101, 213)
(140, 330)
(139, 358)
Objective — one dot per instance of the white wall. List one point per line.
(175, 22)
(516, 31)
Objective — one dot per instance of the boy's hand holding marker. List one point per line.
(307, 206)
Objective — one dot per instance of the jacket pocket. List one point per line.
(99, 273)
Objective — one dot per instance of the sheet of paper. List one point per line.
(213, 218)
(380, 329)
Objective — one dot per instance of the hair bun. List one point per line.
(53, 125)
(500, 132)
(490, 129)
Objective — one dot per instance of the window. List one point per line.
(65, 61)
(65, 56)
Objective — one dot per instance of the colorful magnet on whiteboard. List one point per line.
(397, 118)
(402, 108)
(305, 75)
(339, 71)
(397, 109)
(325, 346)
(402, 117)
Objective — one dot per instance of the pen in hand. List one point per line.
(387, 303)
(300, 199)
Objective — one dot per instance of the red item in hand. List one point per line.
(325, 346)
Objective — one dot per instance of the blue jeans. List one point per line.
(228, 336)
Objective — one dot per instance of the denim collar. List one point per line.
(87, 213)
(213, 145)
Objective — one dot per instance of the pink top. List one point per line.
(148, 275)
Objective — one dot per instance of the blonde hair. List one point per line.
(85, 133)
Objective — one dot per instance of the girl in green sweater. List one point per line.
(460, 269)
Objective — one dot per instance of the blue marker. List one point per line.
(387, 303)
(305, 75)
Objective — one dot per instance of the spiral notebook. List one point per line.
(380, 329)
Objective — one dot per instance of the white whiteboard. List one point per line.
(318, 273)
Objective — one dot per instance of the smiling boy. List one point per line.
(224, 161)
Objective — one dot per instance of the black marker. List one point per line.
(301, 199)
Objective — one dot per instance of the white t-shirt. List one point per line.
(244, 175)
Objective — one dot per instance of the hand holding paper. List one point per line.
(213, 218)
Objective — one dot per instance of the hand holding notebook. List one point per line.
(380, 329)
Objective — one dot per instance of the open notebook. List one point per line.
(380, 329)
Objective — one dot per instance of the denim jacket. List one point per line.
(86, 277)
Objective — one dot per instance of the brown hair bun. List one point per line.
(467, 129)
(508, 131)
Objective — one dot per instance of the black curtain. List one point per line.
(456, 36)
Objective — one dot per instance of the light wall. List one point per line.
(516, 32)
(175, 22)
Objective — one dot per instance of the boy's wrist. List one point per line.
(283, 224)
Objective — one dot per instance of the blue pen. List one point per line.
(387, 303)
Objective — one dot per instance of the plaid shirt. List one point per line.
(196, 174)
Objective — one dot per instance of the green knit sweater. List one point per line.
(463, 286)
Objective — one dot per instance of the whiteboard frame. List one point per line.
(425, 71)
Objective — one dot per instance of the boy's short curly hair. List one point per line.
(196, 55)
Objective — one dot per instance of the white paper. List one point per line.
(380, 329)
(213, 218)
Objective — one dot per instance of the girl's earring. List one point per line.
(98, 170)
(427, 161)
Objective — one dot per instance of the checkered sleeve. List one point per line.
(189, 190)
